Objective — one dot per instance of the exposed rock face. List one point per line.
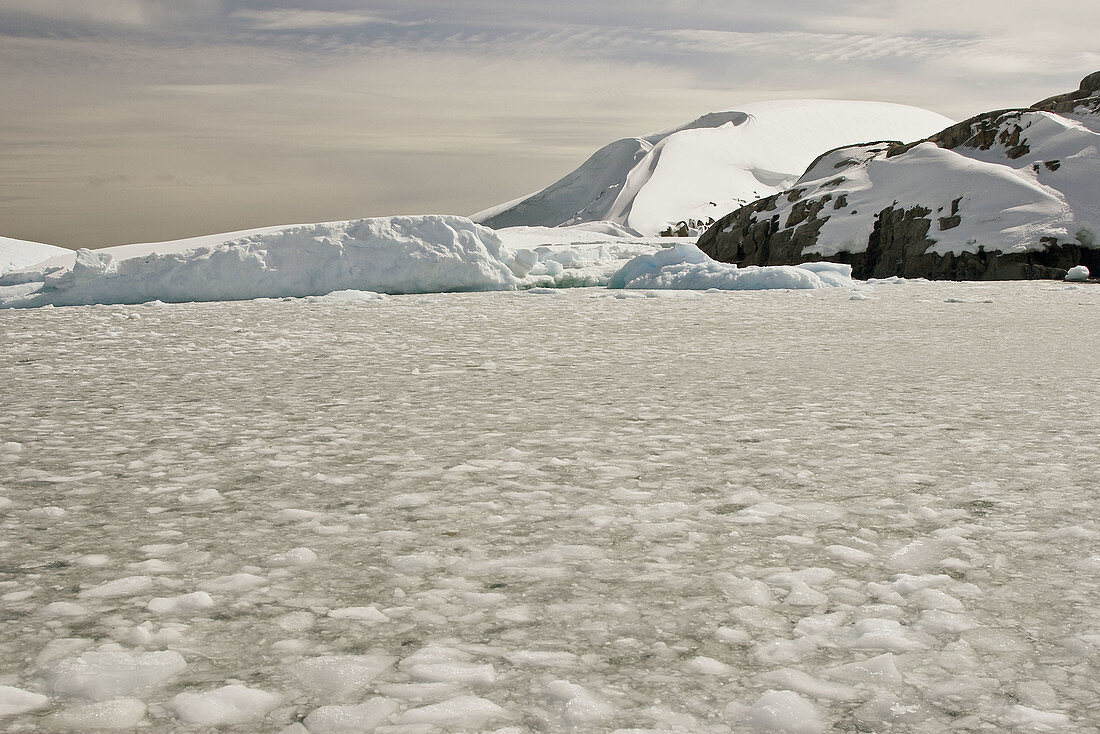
(1010, 194)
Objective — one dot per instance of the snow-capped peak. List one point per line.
(707, 167)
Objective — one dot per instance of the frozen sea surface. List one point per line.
(555, 511)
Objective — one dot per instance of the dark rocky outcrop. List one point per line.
(784, 228)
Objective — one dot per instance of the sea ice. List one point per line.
(783, 711)
(192, 602)
(338, 678)
(112, 673)
(112, 714)
(467, 712)
(231, 704)
(128, 586)
(17, 701)
(351, 719)
(627, 523)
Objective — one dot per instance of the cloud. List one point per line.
(101, 12)
(290, 19)
(286, 110)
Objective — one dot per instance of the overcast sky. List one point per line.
(141, 120)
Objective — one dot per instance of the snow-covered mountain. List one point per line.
(16, 254)
(1006, 194)
(709, 166)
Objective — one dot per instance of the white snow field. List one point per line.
(555, 511)
(15, 254)
(712, 165)
(422, 254)
(1003, 203)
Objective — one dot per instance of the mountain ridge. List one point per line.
(1006, 194)
(709, 166)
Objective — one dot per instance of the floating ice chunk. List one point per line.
(475, 674)
(200, 496)
(880, 671)
(1077, 274)
(833, 274)
(434, 654)
(363, 717)
(183, 603)
(152, 566)
(885, 634)
(299, 621)
(115, 713)
(998, 642)
(783, 711)
(154, 550)
(362, 614)
(907, 584)
(17, 701)
(783, 652)
(295, 515)
(232, 704)
(936, 599)
(541, 658)
(347, 296)
(581, 705)
(801, 595)
(112, 673)
(846, 554)
(747, 591)
(732, 636)
(469, 712)
(801, 682)
(293, 557)
(545, 291)
(64, 609)
(961, 689)
(145, 635)
(820, 627)
(703, 665)
(296, 728)
(233, 583)
(19, 595)
(937, 622)
(685, 266)
(61, 647)
(339, 677)
(419, 692)
(49, 511)
(919, 555)
(1037, 693)
(887, 708)
(415, 562)
(128, 586)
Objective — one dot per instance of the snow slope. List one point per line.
(711, 165)
(15, 254)
(1022, 183)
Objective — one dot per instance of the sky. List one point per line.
(146, 120)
